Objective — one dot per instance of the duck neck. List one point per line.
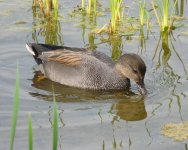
(118, 68)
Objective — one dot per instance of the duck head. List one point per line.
(133, 67)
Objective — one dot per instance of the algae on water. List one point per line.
(178, 132)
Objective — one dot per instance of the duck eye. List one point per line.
(135, 71)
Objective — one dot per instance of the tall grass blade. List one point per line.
(89, 7)
(141, 12)
(56, 5)
(15, 109)
(83, 4)
(156, 14)
(173, 10)
(34, 3)
(92, 7)
(55, 125)
(30, 132)
(115, 8)
(163, 15)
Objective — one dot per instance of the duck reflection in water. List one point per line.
(126, 106)
(130, 109)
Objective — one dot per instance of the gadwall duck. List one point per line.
(79, 67)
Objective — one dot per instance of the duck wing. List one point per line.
(67, 55)
(37, 50)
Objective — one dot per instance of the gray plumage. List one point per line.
(86, 69)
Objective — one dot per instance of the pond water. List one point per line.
(89, 119)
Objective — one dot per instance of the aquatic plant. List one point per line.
(30, 132)
(177, 131)
(92, 7)
(163, 15)
(56, 5)
(55, 125)
(15, 109)
(180, 7)
(83, 4)
(116, 16)
(46, 6)
(49, 28)
(116, 43)
(143, 14)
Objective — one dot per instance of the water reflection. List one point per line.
(143, 38)
(87, 21)
(169, 78)
(91, 40)
(130, 110)
(116, 43)
(125, 106)
(117, 46)
(179, 8)
(47, 28)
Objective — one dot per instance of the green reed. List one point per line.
(163, 15)
(116, 46)
(47, 6)
(49, 28)
(56, 5)
(15, 109)
(143, 14)
(92, 7)
(115, 9)
(55, 125)
(83, 4)
(30, 132)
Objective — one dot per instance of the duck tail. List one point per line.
(35, 51)
(31, 49)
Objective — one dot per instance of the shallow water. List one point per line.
(90, 119)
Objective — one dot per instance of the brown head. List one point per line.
(133, 67)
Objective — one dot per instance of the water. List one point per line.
(90, 119)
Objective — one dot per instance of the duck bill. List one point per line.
(141, 87)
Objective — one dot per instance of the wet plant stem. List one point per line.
(92, 7)
(56, 5)
(46, 6)
(115, 9)
(83, 4)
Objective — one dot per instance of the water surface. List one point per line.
(91, 119)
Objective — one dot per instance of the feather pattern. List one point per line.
(83, 68)
(65, 57)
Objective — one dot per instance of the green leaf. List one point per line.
(15, 109)
(30, 132)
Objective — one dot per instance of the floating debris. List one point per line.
(178, 132)
(20, 22)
